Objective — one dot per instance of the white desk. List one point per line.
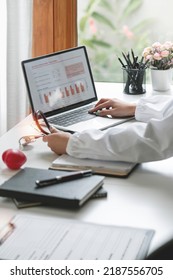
(144, 199)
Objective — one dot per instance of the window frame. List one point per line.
(54, 26)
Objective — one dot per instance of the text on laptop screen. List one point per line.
(59, 80)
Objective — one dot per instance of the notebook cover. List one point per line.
(100, 193)
(67, 194)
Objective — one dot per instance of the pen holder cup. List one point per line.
(134, 81)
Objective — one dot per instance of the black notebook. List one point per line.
(100, 193)
(67, 194)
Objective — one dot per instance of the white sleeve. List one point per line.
(138, 142)
(157, 106)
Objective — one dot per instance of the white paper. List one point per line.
(119, 166)
(39, 238)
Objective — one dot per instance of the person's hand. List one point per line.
(113, 107)
(57, 141)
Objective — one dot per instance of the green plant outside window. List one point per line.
(107, 28)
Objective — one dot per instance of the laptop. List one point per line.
(61, 85)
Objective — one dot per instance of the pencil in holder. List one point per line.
(134, 80)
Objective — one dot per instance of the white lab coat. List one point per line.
(150, 138)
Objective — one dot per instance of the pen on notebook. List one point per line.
(64, 178)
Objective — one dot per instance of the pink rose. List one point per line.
(160, 53)
(156, 45)
(149, 57)
(167, 45)
(146, 51)
(164, 53)
(157, 56)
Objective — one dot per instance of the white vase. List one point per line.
(161, 79)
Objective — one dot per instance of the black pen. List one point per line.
(63, 178)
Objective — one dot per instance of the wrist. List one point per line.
(132, 109)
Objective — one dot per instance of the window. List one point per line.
(108, 27)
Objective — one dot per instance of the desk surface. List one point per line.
(144, 199)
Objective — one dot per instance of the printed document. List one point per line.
(30, 237)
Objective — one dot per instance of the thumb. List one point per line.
(45, 138)
(53, 129)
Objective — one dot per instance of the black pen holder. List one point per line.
(134, 81)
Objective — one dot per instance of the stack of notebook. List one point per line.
(74, 194)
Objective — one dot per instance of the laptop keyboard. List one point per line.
(70, 118)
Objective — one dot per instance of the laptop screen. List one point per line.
(59, 81)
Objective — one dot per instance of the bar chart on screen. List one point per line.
(64, 94)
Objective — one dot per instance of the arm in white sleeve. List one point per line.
(138, 142)
(157, 106)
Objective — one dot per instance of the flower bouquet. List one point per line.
(160, 56)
